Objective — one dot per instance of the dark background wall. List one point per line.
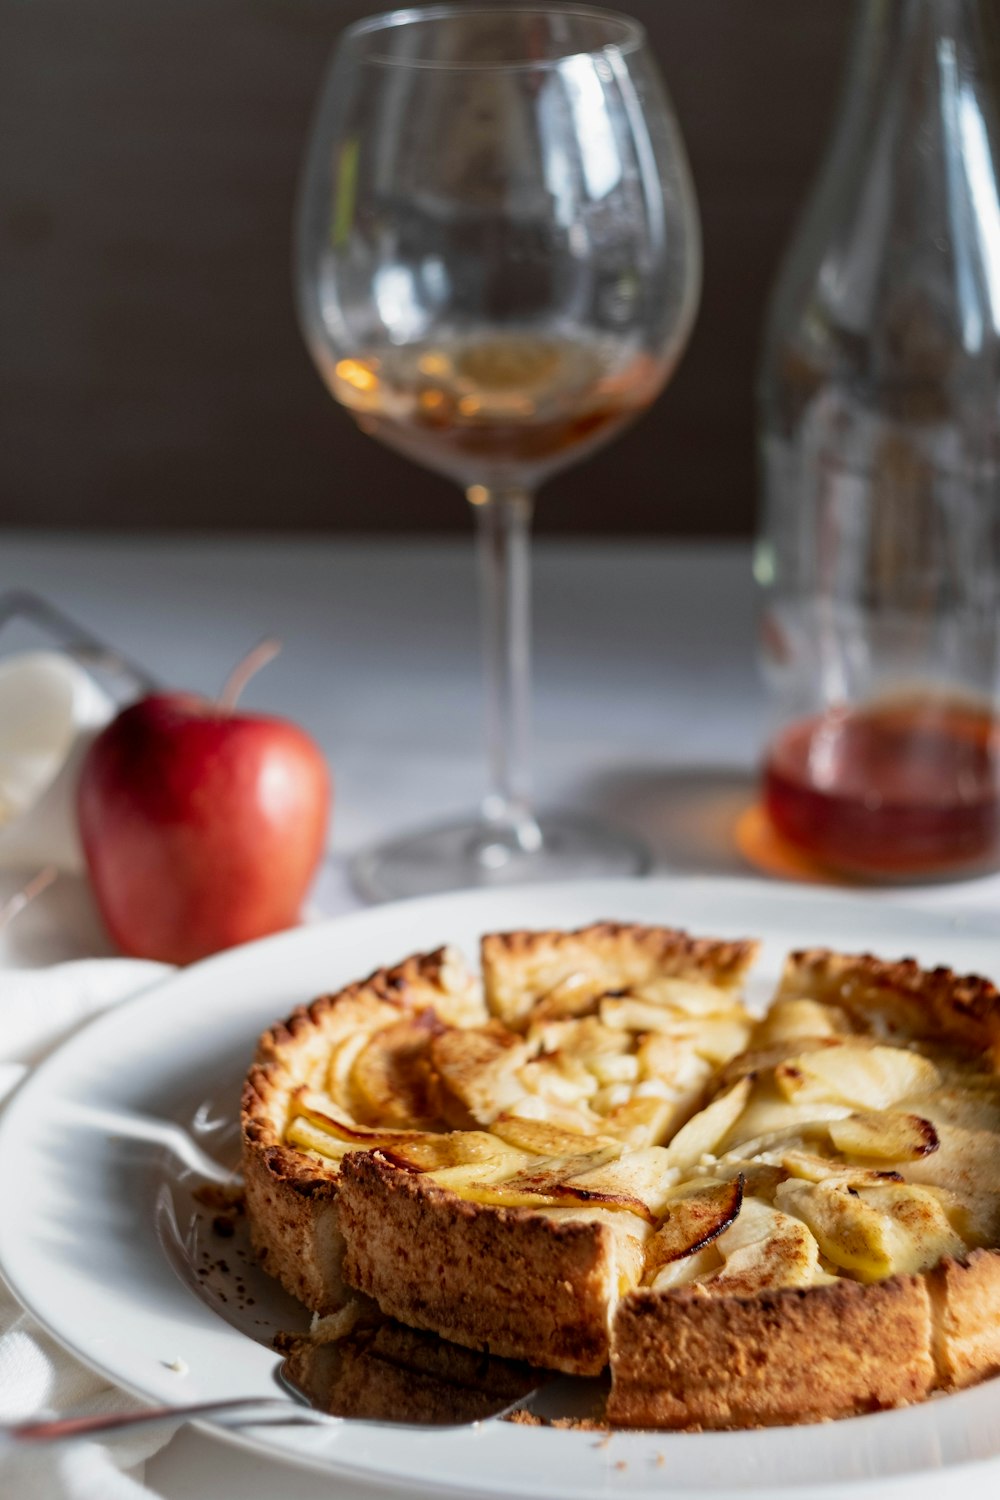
(151, 372)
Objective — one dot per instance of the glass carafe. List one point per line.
(879, 550)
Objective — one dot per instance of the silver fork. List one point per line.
(280, 1410)
(308, 1401)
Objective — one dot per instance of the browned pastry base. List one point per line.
(685, 1359)
(506, 1280)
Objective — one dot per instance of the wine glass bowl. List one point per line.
(498, 268)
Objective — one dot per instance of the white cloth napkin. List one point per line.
(39, 1008)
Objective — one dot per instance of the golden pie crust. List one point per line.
(561, 1286)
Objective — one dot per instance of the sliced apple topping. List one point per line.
(887, 1135)
(692, 998)
(700, 1267)
(718, 1038)
(769, 1120)
(872, 1077)
(672, 1063)
(704, 1132)
(692, 1222)
(391, 1078)
(547, 1175)
(317, 1125)
(637, 1183)
(638, 1180)
(479, 1067)
(431, 1153)
(643, 1120)
(811, 1167)
(630, 1014)
(758, 1062)
(542, 1138)
(766, 1249)
(587, 1039)
(575, 996)
(309, 1137)
(475, 1182)
(341, 1065)
(873, 1232)
(788, 1020)
(560, 1077)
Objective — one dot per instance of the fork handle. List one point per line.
(65, 1429)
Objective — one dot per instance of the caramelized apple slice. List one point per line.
(553, 1175)
(391, 1074)
(322, 1113)
(343, 1056)
(693, 1222)
(543, 1139)
(308, 1137)
(431, 1153)
(318, 1132)
(487, 1181)
(888, 1135)
(811, 1167)
(639, 1181)
(479, 1067)
(872, 1077)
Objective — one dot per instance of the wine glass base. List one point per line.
(472, 853)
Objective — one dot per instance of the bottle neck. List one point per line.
(894, 39)
(917, 129)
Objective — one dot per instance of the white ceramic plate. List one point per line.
(101, 1239)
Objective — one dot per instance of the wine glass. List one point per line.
(498, 267)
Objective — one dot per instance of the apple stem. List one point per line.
(243, 671)
(13, 907)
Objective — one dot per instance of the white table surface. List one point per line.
(649, 710)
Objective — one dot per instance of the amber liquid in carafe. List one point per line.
(903, 788)
(478, 406)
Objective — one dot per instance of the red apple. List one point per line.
(201, 828)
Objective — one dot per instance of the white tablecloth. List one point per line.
(649, 710)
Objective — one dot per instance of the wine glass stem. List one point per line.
(503, 525)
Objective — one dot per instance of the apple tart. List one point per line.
(597, 1156)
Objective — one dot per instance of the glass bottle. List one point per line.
(879, 550)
